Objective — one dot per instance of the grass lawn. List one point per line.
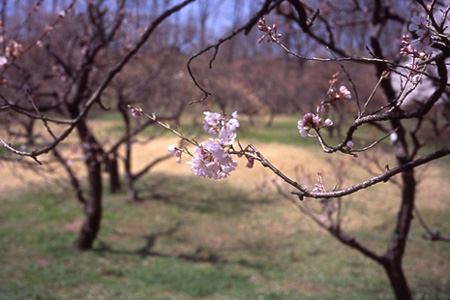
(217, 242)
(193, 238)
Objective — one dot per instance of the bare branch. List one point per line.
(430, 235)
(376, 179)
(95, 97)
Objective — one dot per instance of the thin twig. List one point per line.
(430, 235)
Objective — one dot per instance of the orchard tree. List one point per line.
(55, 68)
(407, 43)
(57, 75)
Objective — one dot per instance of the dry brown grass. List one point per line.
(369, 207)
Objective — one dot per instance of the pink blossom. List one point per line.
(210, 160)
(304, 125)
(393, 137)
(174, 151)
(350, 144)
(136, 112)
(250, 159)
(211, 122)
(250, 162)
(3, 61)
(422, 46)
(221, 127)
(423, 43)
(310, 121)
(268, 31)
(316, 120)
(328, 122)
(318, 188)
(344, 92)
(418, 25)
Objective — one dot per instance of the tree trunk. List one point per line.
(271, 119)
(392, 259)
(398, 281)
(29, 130)
(92, 208)
(132, 194)
(112, 167)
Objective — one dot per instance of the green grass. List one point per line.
(195, 239)
(282, 131)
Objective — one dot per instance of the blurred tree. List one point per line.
(61, 68)
(369, 33)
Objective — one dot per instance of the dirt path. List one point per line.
(285, 157)
(433, 184)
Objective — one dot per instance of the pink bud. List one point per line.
(250, 162)
(328, 122)
(3, 61)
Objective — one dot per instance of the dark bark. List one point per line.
(29, 128)
(398, 281)
(132, 194)
(271, 119)
(92, 209)
(112, 167)
(93, 205)
(392, 259)
(73, 178)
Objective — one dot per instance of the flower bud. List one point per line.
(328, 122)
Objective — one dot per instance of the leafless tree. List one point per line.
(59, 71)
(380, 26)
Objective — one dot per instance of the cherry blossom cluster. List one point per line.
(407, 49)
(312, 121)
(212, 159)
(415, 68)
(421, 47)
(222, 128)
(418, 49)
(12, 49)
(271, 32)
(336, 94)
(420, 28)
(137, 112)
(316, 122)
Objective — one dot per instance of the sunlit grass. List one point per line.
(195, 239)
